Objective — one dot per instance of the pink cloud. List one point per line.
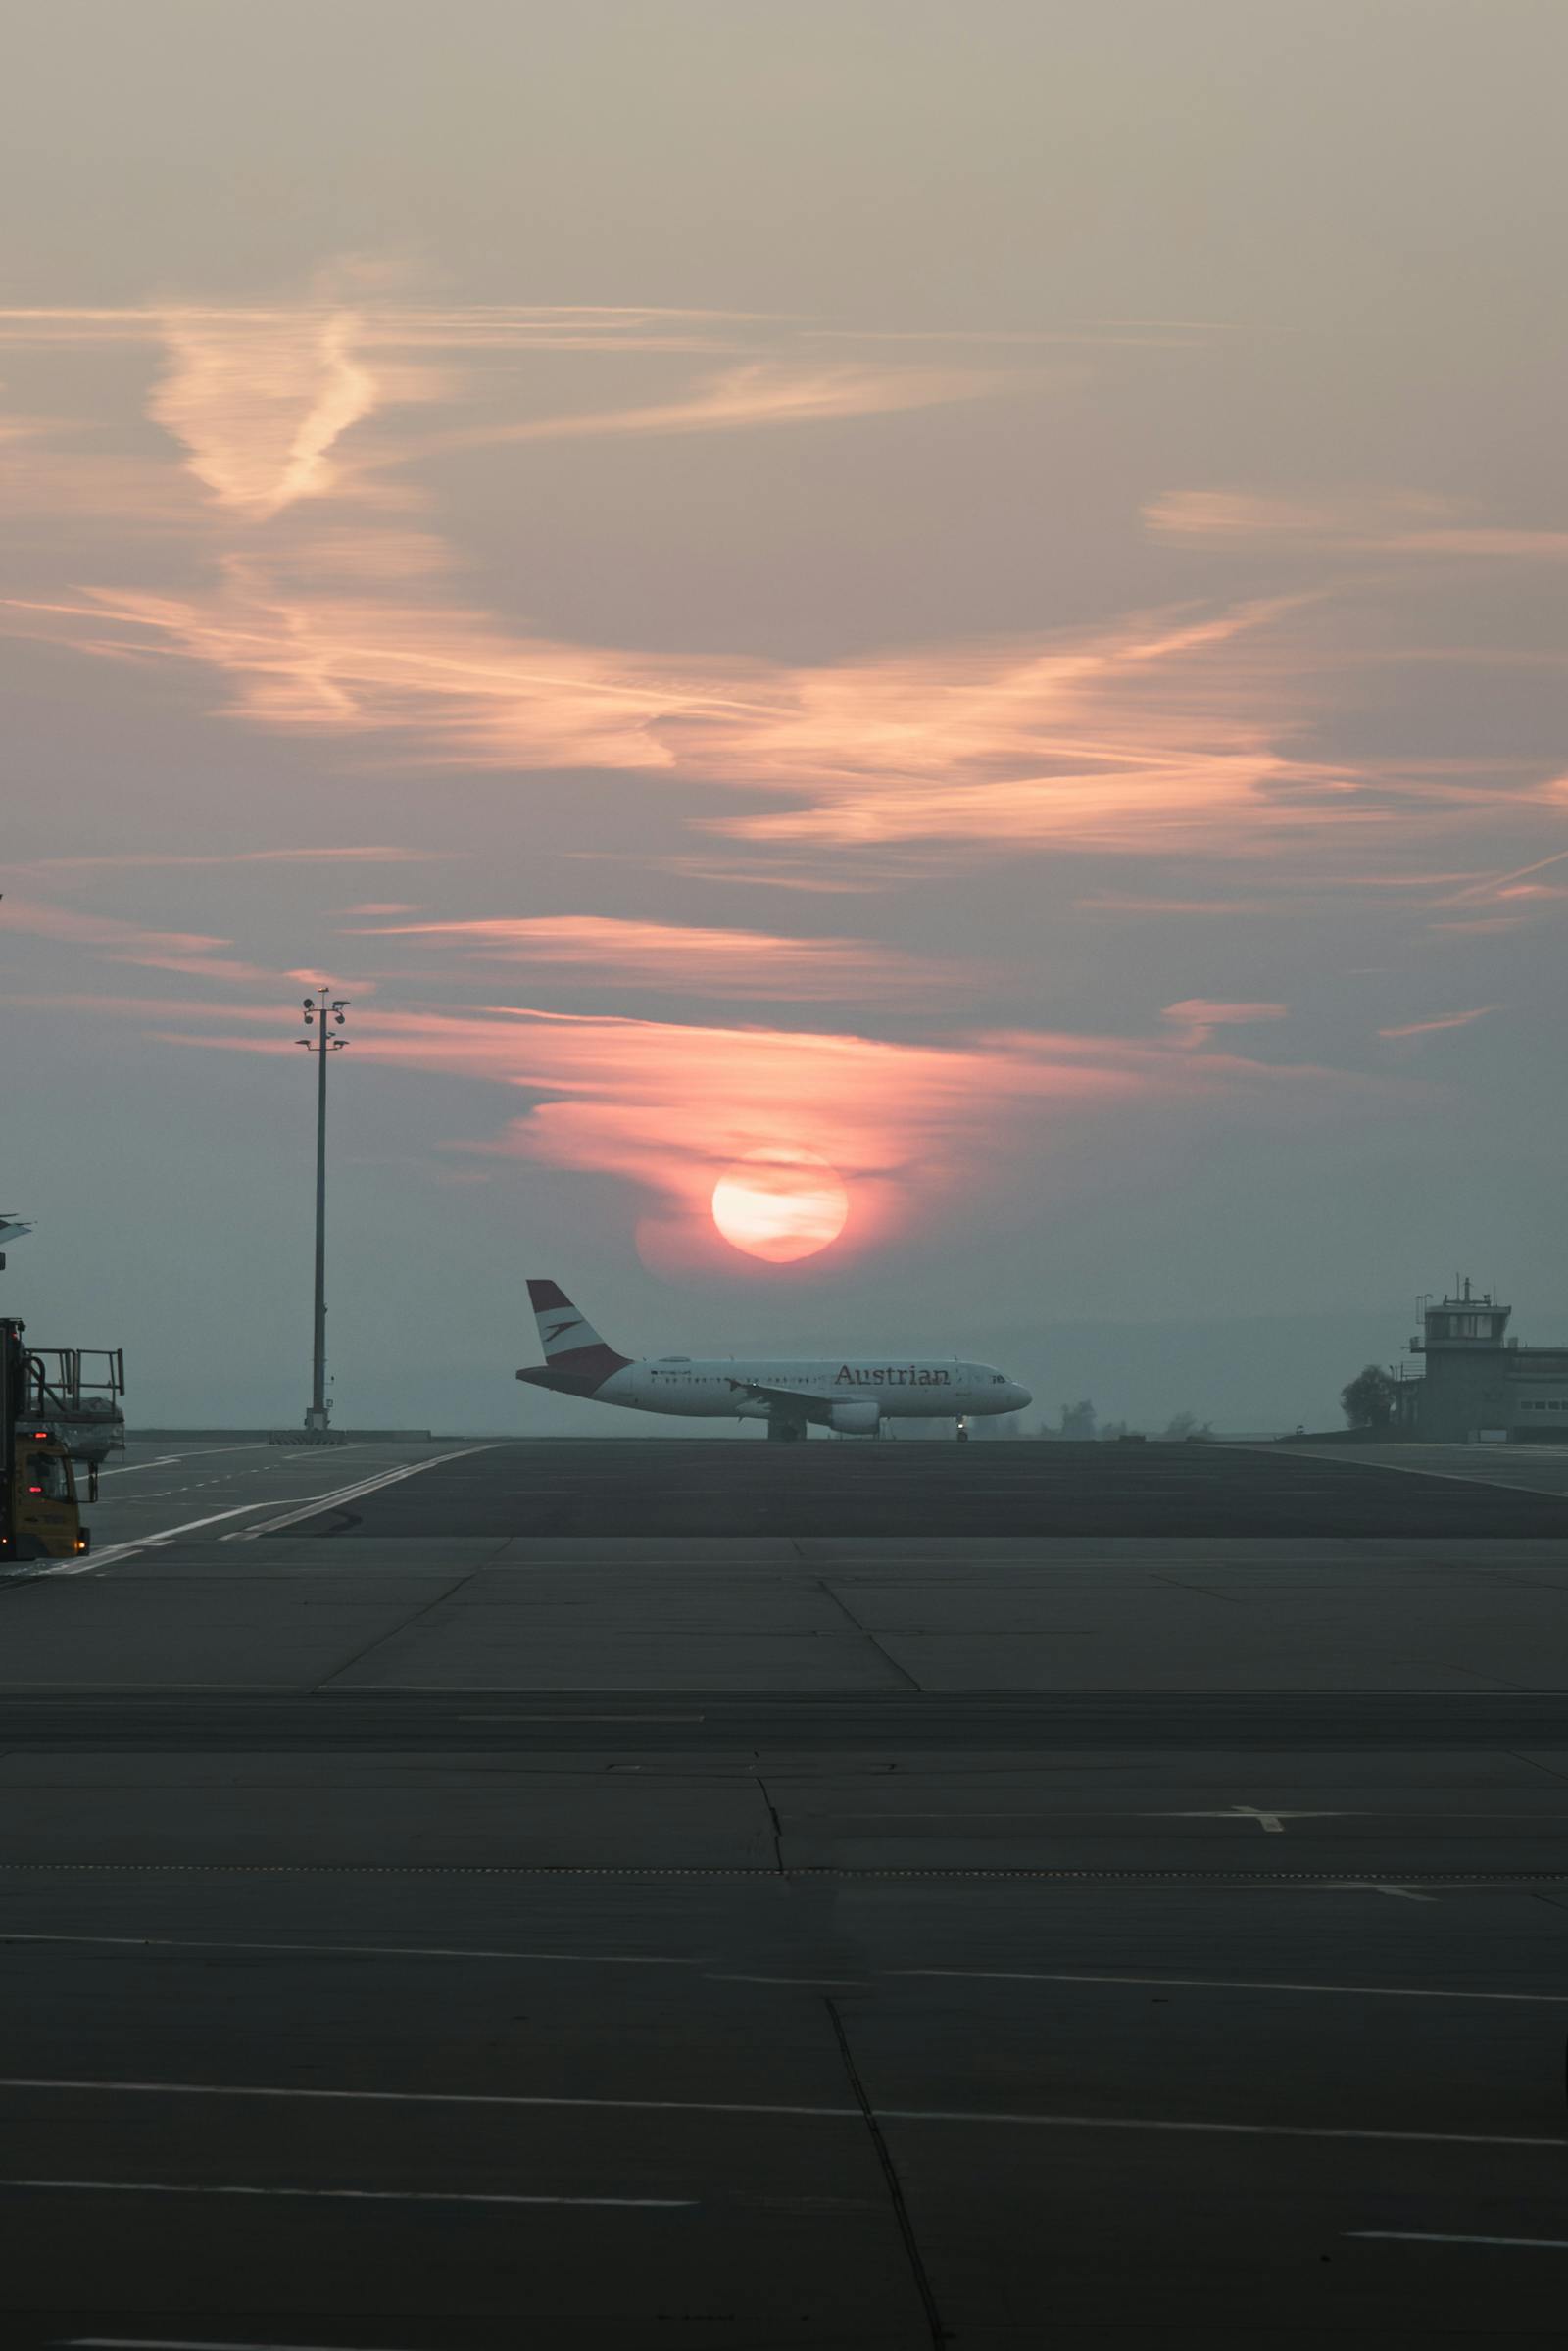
(1371, 521)
(258, 405)
(757, 393)
(667, 1106)
(128, 942)
(1197, 1016)
(1146, 735)
(683, 957)
(160, 859)
(1446, 1020)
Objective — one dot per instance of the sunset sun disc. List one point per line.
(780, 1205)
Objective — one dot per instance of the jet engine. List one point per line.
(860, 1418)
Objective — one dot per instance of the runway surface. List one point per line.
(657, 1486)
(541, 1899)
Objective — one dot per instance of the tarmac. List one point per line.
(690, 1894)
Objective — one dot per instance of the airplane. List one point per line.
(853, 1399)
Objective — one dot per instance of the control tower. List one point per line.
(1480, 1385)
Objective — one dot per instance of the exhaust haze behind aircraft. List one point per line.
(853, 1397)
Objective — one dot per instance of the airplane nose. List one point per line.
(1020, 1396)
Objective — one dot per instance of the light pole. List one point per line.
(322, 1013)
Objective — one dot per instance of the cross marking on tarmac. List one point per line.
(1272, 1822)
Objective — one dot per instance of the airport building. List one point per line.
(1480, 1387)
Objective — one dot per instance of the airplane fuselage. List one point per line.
(735, 1388)
(844, 1393)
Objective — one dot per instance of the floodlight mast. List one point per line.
(321, 1011)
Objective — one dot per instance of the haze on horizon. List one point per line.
(970, 596)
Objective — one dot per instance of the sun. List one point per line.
(780, 1205)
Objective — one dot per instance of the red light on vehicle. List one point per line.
(40, 1435)
(35, 1489)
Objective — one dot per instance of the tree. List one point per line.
(1368, 1398)
(1188, 1424)
(1078, 1421)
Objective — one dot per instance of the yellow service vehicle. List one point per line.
(44, 1518)
(51, 1417)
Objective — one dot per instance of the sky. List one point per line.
(943, 617)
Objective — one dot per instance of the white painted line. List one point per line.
(1440, 2237)
(437, 2097)
(311, 1505)
(182, 2343)
(971, 2117)
(353, 2195)
(1377, 1991)
(1272, 1822)
(582, 1718)
(1159, 2122)
(203, 1452)
(1450, 1477)
(127, 1551)
(350, 1493)
(828, 1982)
(173, 1943)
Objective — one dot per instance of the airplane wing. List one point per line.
(780, 1395)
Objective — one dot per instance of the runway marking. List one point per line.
(1379, 1991)
(582, 1718)
(1443, 2236)
(176, 1943)
(203, 1454)
(830, 1982)
(128, 1551)
(1449, 1477)
(350, 1493)
(1272, 1822)
(355, 2195)
(971, 2117)
(311, 1506)
(182, 2343)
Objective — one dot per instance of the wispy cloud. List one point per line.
(1155, 733)
(759, 392)
(1370, 521)
(667, 1106)
(1125, 901)
(157, 860)
(191, 952)
(259, 406)
(1518, 882)
(1445, 1020)
(1197, 1018)
(260, 398)
(689, 959)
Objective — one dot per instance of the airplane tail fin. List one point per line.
(569, 1341)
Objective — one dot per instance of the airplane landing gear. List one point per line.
(963, 1430)
(781, 1431)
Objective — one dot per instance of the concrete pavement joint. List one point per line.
(1456, 1879)
(968, 2116)
(900, 2211)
